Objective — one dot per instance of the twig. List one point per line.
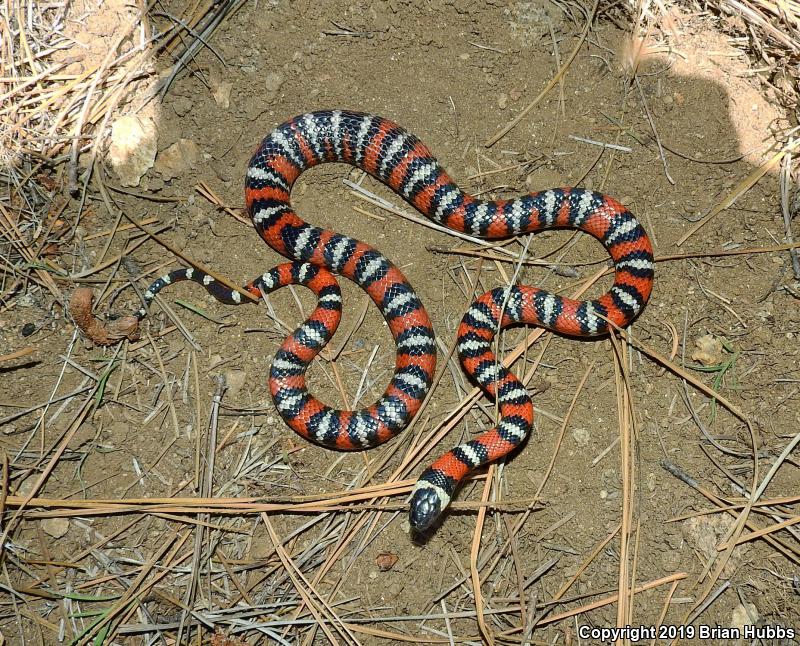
(652, 123)
(741, 188)
(624, 149)
(785, 188)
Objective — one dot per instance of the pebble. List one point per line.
(235, 378)
(55, 527)
(745, 614)
(272, 84)
(176, 160)
(221, 170)
(133, 148)
(182, 105)
(581, 436)
(222, 94)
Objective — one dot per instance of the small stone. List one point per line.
(26, 300)
(386, 561)
(581, 436)
(272, 84)
(745, 614)
(221, 170)
(182, 105)
(177, 159)
(55, 527)
(235, 378)
(133, 148)
(502, 101)
(708, 350)
(222, 94)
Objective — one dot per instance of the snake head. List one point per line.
(427, 504)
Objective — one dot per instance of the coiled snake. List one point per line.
(401, 161)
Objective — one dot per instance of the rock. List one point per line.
(272, 84)
(581, 436)
(133, 148)
(177, 159)
(709, 350)
(744, 615)
(386, 561)
(182, 105)
(704, 533)
(221, 92)
(235, 379)
(221, 169)
(528, 23)
(55, 527)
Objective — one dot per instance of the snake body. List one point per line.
(400, 160)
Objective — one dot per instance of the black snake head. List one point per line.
(426, 506)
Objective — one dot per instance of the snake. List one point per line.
(396, 157)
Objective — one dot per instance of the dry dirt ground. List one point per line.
(454, 73)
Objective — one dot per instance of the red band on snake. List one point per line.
(397, 158)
